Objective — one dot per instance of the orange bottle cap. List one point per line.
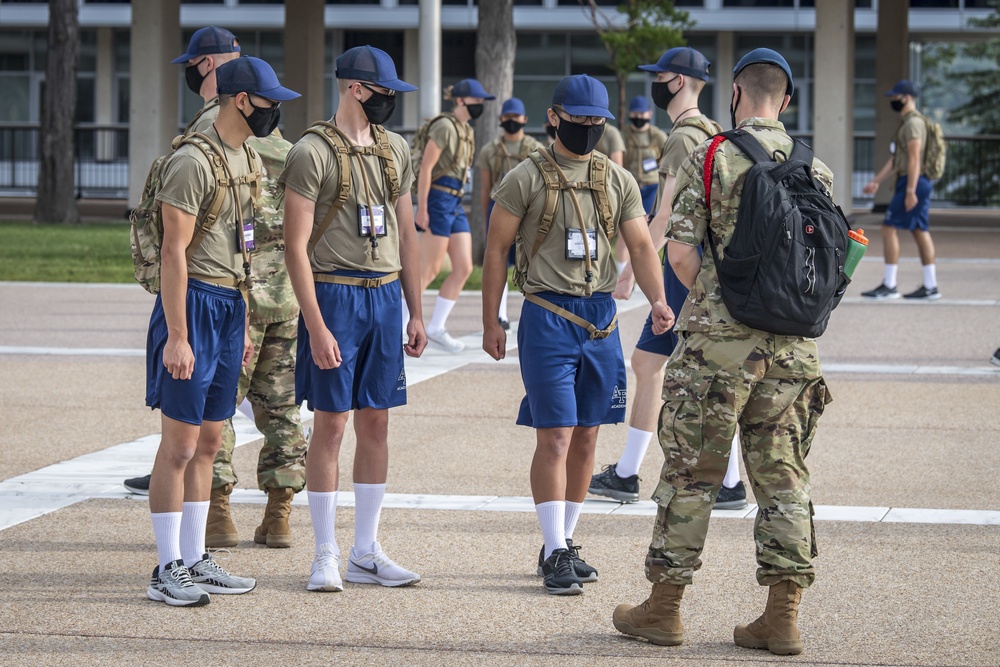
(858, 236)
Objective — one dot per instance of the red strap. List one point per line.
(709, 161)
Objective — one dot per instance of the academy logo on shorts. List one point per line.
(401, 381)
(618, 399)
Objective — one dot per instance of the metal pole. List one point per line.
(429, 38)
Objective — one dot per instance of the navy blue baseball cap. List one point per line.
(251, 75)
(513, 105)
(903, 87)
(582, 95)
(366, 63)
(770, 57)
(470, 88)
(639, 104)
(681, 60)
(209, 41)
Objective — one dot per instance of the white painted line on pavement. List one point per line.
(854, 300)
(73, 351)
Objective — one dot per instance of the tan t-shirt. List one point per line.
(457, 147)
(313, 171)
(500, 156)
(683, 138)
(611, 141)
(912, 127)
(189, 184)
(522, 193)
(642, 152)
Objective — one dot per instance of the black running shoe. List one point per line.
(138, 485)
(924, 293)
(584, 571)
(559, 577)
(504, 323)
(607, 483)
(995, 359)
(731, 499)
(881, 292)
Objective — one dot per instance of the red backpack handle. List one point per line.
(709, 162)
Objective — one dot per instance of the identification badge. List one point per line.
(365, 216)
(649, 164)
(574, 244)
(892, 147)
(247, 234)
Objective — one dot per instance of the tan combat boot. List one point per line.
(274, 530)
(658, 619)
(777, 628)
(220, 531)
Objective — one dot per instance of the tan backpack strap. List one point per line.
(551, 198)
(599, 179)
(215, 207)
(201, 112)
(575, 319)
(333, 136)
(384, 151)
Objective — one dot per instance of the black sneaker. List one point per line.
(138, 485)
(881, 292)
(504, 323)
(584, 571)
(731, 499)
(995, 359)
(924, 293)
(559, 577)
(607, 483)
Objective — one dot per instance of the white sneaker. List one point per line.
(377, 568)
(326, 570)
(443, 339)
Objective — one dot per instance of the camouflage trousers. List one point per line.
(772, 388)
(269, 384)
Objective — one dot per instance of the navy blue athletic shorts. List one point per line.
(569, 379)
(445, 210)
(676, 296)
(648, 193)
(917, 218)
(368, 325)
(216, 320)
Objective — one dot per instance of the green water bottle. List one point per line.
(857, 244)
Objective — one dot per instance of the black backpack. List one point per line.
(783, 270)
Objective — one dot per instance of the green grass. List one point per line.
(88, 253)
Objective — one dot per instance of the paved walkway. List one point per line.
(904, 470)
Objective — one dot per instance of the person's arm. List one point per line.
(685, 261)
(298, 226)
(618, 157)
(485, 190)
(872, 186)
(646, 265)
(431, 154)
(409, 275)
(657, 230)
(914, 152)
(178, 230)
(503, 229)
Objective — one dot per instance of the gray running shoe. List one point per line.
(211, 578)
(995, 359)
(377, 568)
(175, 587)
(731, 499)
(607, 483)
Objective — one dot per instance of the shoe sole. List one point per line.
(138, 492)
(156, 596)
(933, 297)
(223, 590)
(325, 588)
(654, 637)
(775, 646)
(995, 361)
(364, 578)
(621, 496)
(588, 580)
(731, 505)
(572, 589)
(882, 298)
(273, 541)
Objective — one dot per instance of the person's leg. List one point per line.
(890, 252)
(925, 246)
(371, 467)
(178, 444)
(549, 483)
(433, 248)
(197, 491)
(460, 253)
(648, 368)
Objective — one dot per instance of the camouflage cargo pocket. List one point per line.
(682, 419)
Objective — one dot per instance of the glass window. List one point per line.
(540, 54)
(15, 97)
(85, 100)
(458, 55)
(87, 61)
(587, 55)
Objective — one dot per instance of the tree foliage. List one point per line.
(649, 28)
(982, 81)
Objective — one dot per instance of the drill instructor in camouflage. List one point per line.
(724, 374)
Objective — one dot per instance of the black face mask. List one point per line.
(379, 107)
(551, 131)
(475, 110)
(511, 126)
(639, 123)
(661, 93)
(579, 139)
(262, 121)
(193, 78)
(897, 105)
(733, 104)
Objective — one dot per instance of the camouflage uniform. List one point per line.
(268, 382)
(723, 375)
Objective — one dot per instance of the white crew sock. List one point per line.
(733, 471)
(167, 532)
(552, 517)
(367, 510)
(323, 511)
(636, 444)
(572, 516)
(890, 275)
(502, 314)
(620, 265)
(406, 315)
(246, 408)
(194, 520)
(930, 276)
(442, 309)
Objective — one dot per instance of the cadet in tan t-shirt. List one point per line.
(643, 147)
(198, 335)
(568, 343)
(350, 245)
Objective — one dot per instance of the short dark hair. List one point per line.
(763, 83)
(225, 97)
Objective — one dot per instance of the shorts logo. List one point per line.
(618, 399)
(401, 380)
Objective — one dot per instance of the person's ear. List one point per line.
(784, 103)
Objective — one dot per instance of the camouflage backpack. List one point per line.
(147, 221)
(467, 145)
(935, 151)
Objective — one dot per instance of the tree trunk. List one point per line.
(56, 199)
(496, 43)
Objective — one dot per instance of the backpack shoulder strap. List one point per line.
(222, 181)
(333, 137)
(599, 179)
(384, 151)
(749, 145)
(551, 180)
(709, 164)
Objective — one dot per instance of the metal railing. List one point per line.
(971, 178)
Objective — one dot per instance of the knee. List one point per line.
(178, 455)
(462, 268)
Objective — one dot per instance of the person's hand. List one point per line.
(910, 201)
(423, 219)
(625, 284)
(663, 318)
(247, 349)
(178, 358)
(871, 187)
(325, 351)
(495, 341)
(416, 338)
